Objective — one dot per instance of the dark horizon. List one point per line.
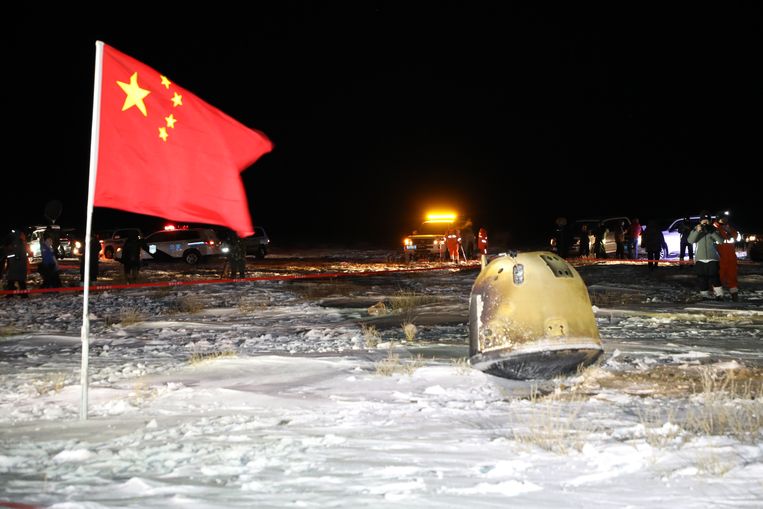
(509, 114)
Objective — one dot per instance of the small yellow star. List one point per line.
(171, 121)
(166, 82)
(135, 94)
(177, 100)
(163, 133)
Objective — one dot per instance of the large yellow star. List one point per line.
(135, 94)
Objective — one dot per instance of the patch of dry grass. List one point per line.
(322, 288)
(552, 423)
(200, 357)
(188, 303)
(371, 335)
(393, 365)
(247, 305)
(409, 331)
(125, 317)
(51, 383)
(9, 330)
(406, 304)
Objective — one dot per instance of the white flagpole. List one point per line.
(94, 135)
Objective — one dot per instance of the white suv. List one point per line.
(188, 244)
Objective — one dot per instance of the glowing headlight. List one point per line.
(225, 250)
(407, 241)
(752, 238)
(77, 244)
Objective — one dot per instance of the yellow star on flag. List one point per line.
(166, 82)
(163, 133)
(177, 99)
(171, 121)
(135, 94)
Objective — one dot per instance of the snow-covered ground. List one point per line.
(307, 393)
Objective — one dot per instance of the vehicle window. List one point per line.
(160, 237)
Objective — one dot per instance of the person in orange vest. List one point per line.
(482, 241)
(727, 253)
(453, 242)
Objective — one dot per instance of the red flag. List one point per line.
(163, 151)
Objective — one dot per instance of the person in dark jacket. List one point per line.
(561, 236)
(49, 265)
(236, 256)
(684, 229)
(654, 243)
(95, 251)
(706, 264)
(131, 256)
(17, 264)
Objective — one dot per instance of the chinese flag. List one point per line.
(163, 151)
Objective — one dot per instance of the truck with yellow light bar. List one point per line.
(428, 240)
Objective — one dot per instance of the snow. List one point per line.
(279, 394)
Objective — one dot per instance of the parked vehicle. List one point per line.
(575, 229)
(191, 245)
(257, 244)
(110, 243)
(69, 242)
(428, 240)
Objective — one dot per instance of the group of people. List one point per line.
(15, 261)
(710, 244)
(715, 261)
(463, 244)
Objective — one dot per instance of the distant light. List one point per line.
(169, 227)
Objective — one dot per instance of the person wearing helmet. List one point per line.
(727, 254)
(706, 257)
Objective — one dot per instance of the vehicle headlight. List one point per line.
(77, 244)
(752, 238)
(407, 241)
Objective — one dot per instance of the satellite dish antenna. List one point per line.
(53, 210)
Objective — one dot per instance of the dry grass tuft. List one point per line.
(462, 365)
(52, 383)
(187, 304)
(250, 306)
(378, 309)
(9, 330)
(407, 303)
(553, 423)
(371, 335)
(124, 318)
(199, 357)
(409, 331)
(392, 364)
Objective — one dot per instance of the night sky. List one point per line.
(510, 114)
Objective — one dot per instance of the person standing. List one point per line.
(684, 229)
(634, 238)
(95, 251)
(619, 233)
(706, 259)
(654, 242)
(131, 256)
(727, 254)
(17, 264)
(560, 234)
(482, 241)
(585, 241)
(467, 239)
(452, 241)
(237, 257)
(49, 265)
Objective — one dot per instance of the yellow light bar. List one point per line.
(441, 216)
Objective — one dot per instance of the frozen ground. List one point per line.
(306, 393)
